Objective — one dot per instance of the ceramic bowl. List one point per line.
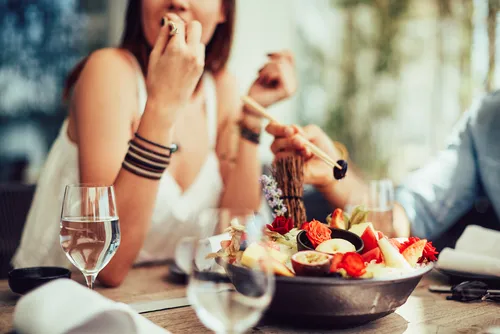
(303, 242)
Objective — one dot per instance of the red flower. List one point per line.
(317, 232)
(281, 225)
(429, 253)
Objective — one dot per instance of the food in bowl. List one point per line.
(336, 245)
(311, 263)
(377, 256)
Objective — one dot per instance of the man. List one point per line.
(431, 200)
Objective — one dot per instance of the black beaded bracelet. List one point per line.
(172, 148)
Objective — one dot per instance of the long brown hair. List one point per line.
(133, 40)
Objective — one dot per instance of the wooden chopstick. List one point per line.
(260, 110)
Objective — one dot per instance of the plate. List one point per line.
(457, 277)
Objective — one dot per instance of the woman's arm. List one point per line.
(239, 158)
(104, 104)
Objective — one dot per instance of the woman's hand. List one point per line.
(276, 81)
(290, 140)
(175, 67)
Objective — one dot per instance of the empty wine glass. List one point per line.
(227, 296)
(90, 229)
(378, 199)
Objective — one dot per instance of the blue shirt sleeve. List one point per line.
(437, 195)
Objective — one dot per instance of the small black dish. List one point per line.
(23, 280)
(303, 242)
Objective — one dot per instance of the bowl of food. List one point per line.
(345, 288)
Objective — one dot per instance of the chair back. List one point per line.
(15, 202)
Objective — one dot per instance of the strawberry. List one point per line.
(374, 254)
(337, 220)
(353, 264)
(337, 258)
(414, 252)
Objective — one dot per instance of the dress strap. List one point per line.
(211, 108)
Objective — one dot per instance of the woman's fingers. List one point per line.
(285, 54)
(271, 73)
(288, 143)
(280, 130)
(179, 38)
(193, 33)
(161, 41)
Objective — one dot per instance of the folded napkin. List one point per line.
(185, 247)
(477, 251)
(64, 306)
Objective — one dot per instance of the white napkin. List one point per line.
(477, 251)
(185, 247)
(64, 306)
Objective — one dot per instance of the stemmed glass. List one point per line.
(228, 297)
(378, 199)
(90, 229)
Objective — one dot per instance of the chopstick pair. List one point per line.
(260, 110)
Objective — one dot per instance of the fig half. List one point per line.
(311, 263)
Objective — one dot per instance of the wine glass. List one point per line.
(90, 229)
(378, 199)
(227, 296)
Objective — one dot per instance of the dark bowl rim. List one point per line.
(333, 229)
(13, 272)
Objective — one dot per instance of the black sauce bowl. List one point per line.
(23, 280)
(303, 242)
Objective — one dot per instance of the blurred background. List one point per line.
(388, 78)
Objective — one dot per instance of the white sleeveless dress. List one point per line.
(173, 216)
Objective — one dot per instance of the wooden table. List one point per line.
(424, 312)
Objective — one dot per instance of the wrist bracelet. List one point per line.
(172, 148)
(145, 162)
(249, 134)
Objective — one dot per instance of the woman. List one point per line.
(166, 84)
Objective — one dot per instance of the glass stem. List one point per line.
(90, 279)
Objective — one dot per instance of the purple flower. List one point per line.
(273, 195)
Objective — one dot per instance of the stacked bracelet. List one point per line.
(249, 134)
(172, 148)
(145, 162)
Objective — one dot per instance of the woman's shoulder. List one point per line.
(106, 75)
(109, 65)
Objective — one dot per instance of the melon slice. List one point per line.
(414, 252)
